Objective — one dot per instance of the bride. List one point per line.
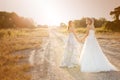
(72, 49)
(92, 58)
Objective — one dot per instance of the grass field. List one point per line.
(12, 40)
(83, 30)
(47, 60)
(13, 66)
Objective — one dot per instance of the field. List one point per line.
(46, 60)
(35, 54)
(12, 66)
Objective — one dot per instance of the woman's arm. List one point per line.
(74, 32)
(84, 37)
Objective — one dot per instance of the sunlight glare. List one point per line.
(47, 10)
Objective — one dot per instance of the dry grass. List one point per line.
(13, 40)
(83, 30)
(98, 30)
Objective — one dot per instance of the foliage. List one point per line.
(12, 20)
(100, 23)
(63, 25)
(114, 25)
(82, 23)
(116, 13)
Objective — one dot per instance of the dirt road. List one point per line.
(46, 61)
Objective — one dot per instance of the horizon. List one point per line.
(53, 12)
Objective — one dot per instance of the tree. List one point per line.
(99, 22)
(82, 22)
(116, 13)
(114, 25)
(63, 25)
(12, 20)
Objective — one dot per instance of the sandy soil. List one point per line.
(46, 60)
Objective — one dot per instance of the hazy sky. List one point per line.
(52, 12)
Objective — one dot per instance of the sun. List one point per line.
(51, 15)
(47, 10)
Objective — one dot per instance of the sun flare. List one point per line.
(47, 10)
(53, 12)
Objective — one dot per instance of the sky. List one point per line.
(53, 12)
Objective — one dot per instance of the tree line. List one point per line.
(101, 22)
(82, 23)
(12, 20)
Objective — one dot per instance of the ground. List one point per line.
(46, 60)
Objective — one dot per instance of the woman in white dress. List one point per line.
(72, 48)
(92, 58)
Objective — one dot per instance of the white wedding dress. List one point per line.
(71, 52)
(92, 58)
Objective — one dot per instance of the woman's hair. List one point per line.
(69, 24)
(89, 20)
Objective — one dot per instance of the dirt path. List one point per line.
(46, 61)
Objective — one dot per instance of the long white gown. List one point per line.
(72, 52)
(92, 58)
